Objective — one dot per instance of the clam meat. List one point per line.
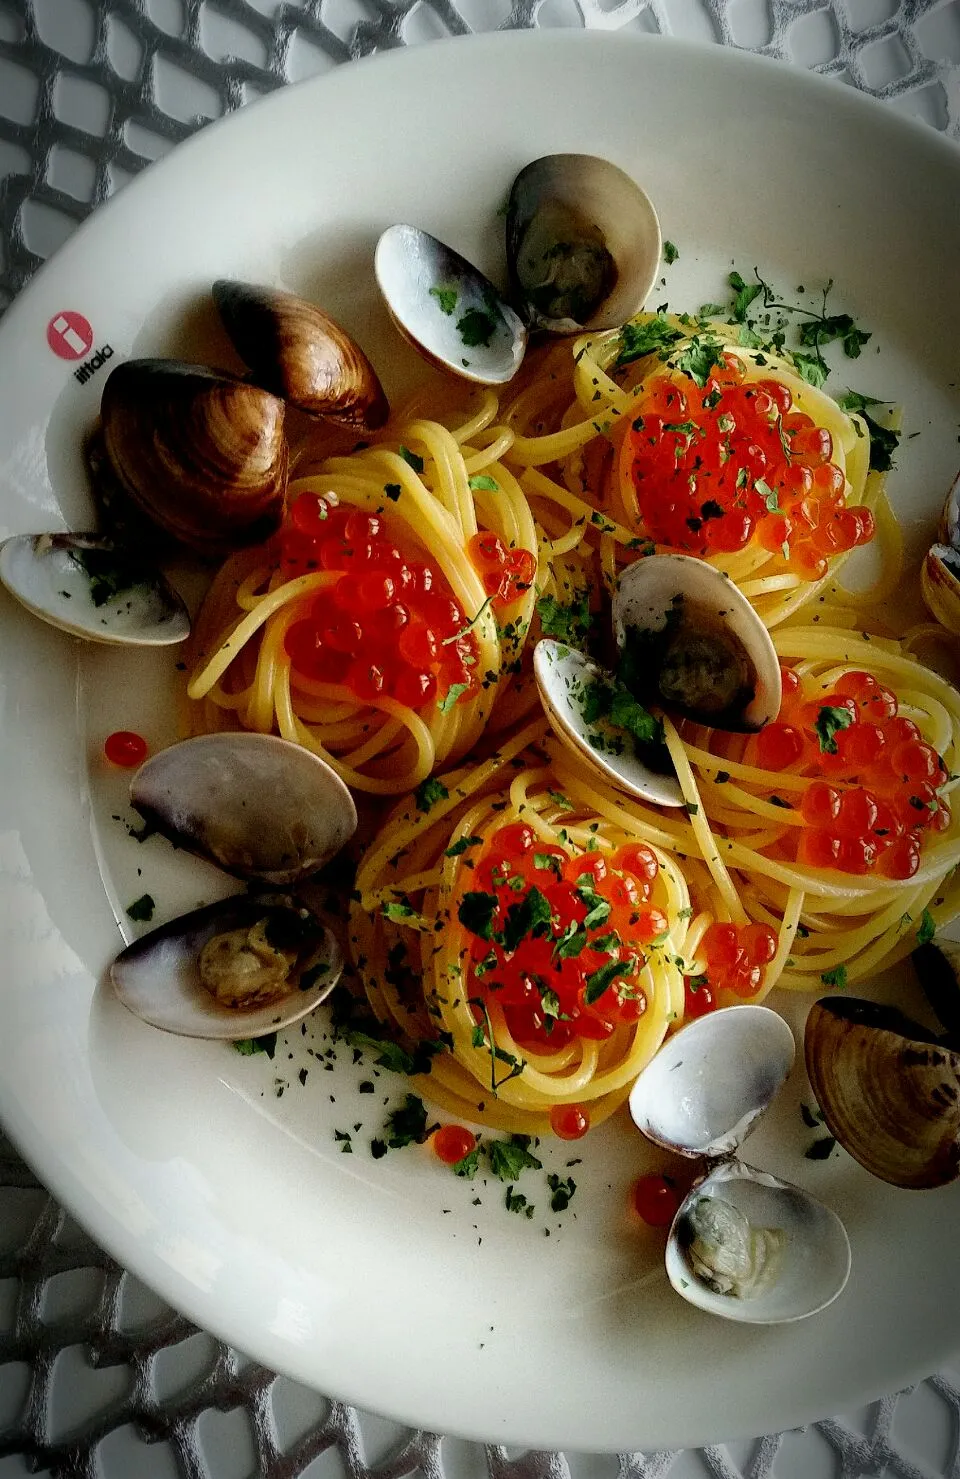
(690, 641)
(256, 805)
(583, 243)
(202, 453)
(300, 354)
(87, 586)
(239, 968)
(749, 1247)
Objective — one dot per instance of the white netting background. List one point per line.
(99, 1380)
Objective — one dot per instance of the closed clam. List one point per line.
(302, 355)
(744, 1244)
(583, 243)
(203, 454)
(257, 806)
(240, 968)
(888, 1088)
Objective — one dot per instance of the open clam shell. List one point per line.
(301, 354)
(949, 532)
(203, 454)
(170, 977)
(692, 642)
(747, 1246)
(564, 677)
(940, 585)
(703, 1091)
(447, 308)
(889, 1092)
(583, 243)
(88, 587)
(256, 805)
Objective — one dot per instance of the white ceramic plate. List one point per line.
(381, 1281)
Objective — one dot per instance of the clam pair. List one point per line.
(744, 1244)
(264, 811)
(583, 250)
(940, 572)
(198, 453)
(690, 643)
(889, 1088)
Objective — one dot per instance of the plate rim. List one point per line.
(110, 1234)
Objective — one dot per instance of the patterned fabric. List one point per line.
(92, 1366)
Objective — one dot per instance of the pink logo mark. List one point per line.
(70, 335)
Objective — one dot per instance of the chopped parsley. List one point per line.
(476, 328)
(447, 299)
(670, 253)
(247, 1046)
(408, 1124)
(482, 482)
(639, 340)
(837, 977)
(393, 491)
(884, 441)
(530, 917)
(446, 703)
(141, 910)
(476, 913)
(562, 1192)
(828, 724)
(565, 622)
(429, 792)
(457, 849)
(821, 1149)
(927, 928)
(509, 1157)
(412, 459)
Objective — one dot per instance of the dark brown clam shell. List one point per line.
(201, 452)
(889, 1091)
(299, 353)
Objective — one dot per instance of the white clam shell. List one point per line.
(705, 1088)
(649, 589)
(940, 585)
(158, 979)
(949, 532)
(803, 1248)
(414, 270)
(554, 196)
(561, 673)
(43, 572)
(254, 804)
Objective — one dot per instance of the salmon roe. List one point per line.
(506, 573)
(557, 941)
(391, 627)
(450, 1143)
(714, 468)
(125, 748)
(736, 958)
(655, 1199)
(873, 794)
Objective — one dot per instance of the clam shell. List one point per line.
(949, 532)
(447, 308)
(653, 588)
(202, 453)
(158, 976)
(890, 1094)
(583, 243)
(562, 674)
(86, 586)
(786, 1255)
(703, 1091)
(937, 965)
(297, 352)
(940, 585)
(256, 805)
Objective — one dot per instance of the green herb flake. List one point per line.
(247, 1046)
(429, 792)
(446, 703)
(828, 725)
(670, 253)
(509, 1157)
(927, 928)
(476, 328)
(408, 1124)
(568, 622)
(476, 913)
(141, 910)
(412, 459)
(482, 482)
(447, 299)
(457, 849)
(837, 977)
(821, 1149)
(393, 491)
(562, 1190)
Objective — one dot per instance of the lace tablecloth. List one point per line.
(97, 1377)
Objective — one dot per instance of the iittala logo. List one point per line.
(70, 336)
